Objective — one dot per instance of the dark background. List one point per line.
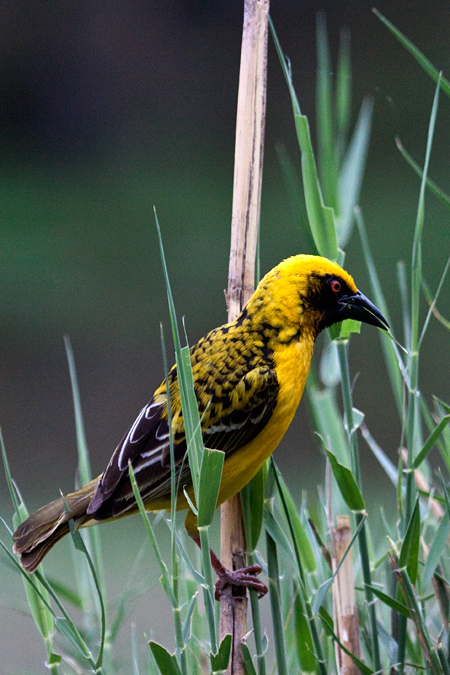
(107, 109)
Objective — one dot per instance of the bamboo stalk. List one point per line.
(248, 165)
(344, 605)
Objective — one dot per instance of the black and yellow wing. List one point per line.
(235, 400)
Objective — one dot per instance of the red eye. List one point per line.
(335, 286)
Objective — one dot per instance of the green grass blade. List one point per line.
(80, 546)
(417, 54)
(417, 244)
(437, 547)
(352, 172)
(219, 661)
(86, 579)
(187, 631)
(321, 217)
(416, 282)
(390, 468)
(208, 588)
(275, 606)
(210, 478)
(191, 417)
(323, 588)
(145, 519)
(430, 442)
(327, 419)
(303, 639)
(324, 114)
(285, 67)
(248, 661)
(252, 501)
(84, 465)
(347, 484)
(166, 662)
(409, 554)
(19, 508)
(38, 599)
(185, 381)
(276, 532)
(274, 476)
(391, 602)
(388, 346)
(64, 623)
(434, 301)
(343, 91)
(298, 533)
(294, 190)
(417, 615)
(443, 196)
(365, 670)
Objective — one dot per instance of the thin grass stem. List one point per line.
(362, 537)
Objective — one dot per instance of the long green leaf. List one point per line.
(438, 544)
(219, 661)
(210, 478)
(347, 485)
(276, 606)
(162, 565)
(417, 54)
(389, 350)
(38, 600)
(303, 639)
(299, 534)
(443, 196)
(365, 670)
(321, 217)
(277, 533)
(430, 442)
(81, 546)
(390, 468)
(343, 91)
(327, 419)
(409, 554)
(352, 172)
(252, 501)
(166, 662)
(248, 661)
(390, 602)
(327, 157)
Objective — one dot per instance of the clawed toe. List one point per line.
(244, 577)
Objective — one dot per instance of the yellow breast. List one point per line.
(292, 366)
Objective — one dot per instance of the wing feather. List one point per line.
(236, 400)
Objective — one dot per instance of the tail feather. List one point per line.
(40, 531)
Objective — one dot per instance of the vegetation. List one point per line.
(398, 603)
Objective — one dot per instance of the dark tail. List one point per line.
(40, 531)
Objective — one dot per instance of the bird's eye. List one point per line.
(335, 286)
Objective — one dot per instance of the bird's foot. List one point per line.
(244, 577)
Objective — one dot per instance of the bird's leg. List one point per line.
(241, 577)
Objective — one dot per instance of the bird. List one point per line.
(249, 377)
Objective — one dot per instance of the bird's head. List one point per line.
(307, 293)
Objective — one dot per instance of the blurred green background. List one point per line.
(107, 109)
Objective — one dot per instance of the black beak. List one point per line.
(360, 308)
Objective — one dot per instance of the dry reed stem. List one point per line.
(344, 605)
(249, 147)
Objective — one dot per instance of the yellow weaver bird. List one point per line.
(249, 377)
